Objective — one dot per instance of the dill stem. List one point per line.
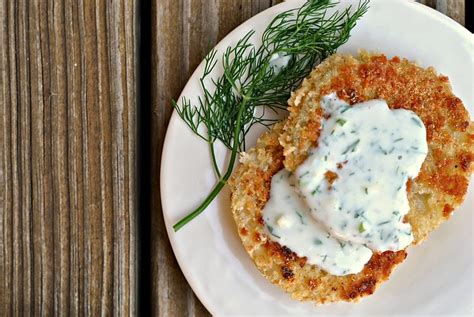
(223, 180)
(215, 191)
(214, 160)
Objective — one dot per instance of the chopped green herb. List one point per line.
(270, 229)
(324, 258)
(361, 213)
(345, 108)
(383, 223)
(382, 150)
(317, 241)
(351, 147)
(304, 174)
(342, 244)
(358, 213)
(341, 121)
(417, 122)
(366, 190)
(301, 218)
(325, 157)
(396, 212)
(316, 190)
(361, 227)
(397, 140)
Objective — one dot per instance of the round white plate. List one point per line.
(437, 277)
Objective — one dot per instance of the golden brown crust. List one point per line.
(433, 195)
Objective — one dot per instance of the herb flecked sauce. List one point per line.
(336, 222)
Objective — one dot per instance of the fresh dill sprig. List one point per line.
(252, 78)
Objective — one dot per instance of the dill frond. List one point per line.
(252, 79)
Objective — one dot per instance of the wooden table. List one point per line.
(85, 89)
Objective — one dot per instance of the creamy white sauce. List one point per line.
(373, 151)
(379, 149)
(289, 222)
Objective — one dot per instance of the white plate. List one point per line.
(437, 277)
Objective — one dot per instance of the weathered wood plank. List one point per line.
(169, 288)
(430, 3)
(67, 165)
(455, 9)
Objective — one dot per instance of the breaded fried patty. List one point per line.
(443, 179)
(433, 195)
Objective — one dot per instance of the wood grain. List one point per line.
(67, 167)
(183, 32)
(455, 9)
